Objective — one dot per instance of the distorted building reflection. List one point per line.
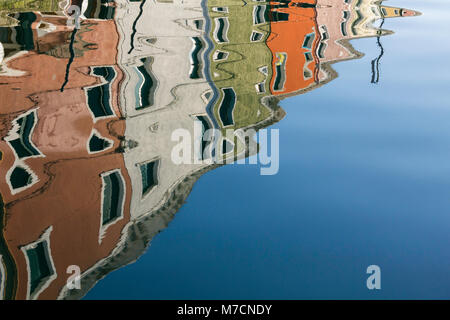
(88, 116)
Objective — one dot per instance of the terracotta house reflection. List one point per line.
(67, 191)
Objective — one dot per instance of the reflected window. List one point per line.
(321, 50)
(97, 143)
(264, 70)
(260, 87)
(24, 32)
(220, 55)
(20, 178)
(221, 30)
(227, 106)
(280, 71)
(100, 9)
(21, 140)
(259, 14)
(256, 36)
(146, 85)
(196, 67)
(346, 15)
(40, 265)
(113, 197)
(323, 45)
(324, 33)
(206, 125)
(198, 24)
(278, 16)
(149, 174)
(99, 97)
(308, 41)
(220, 9)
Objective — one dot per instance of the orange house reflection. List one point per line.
(293, 42)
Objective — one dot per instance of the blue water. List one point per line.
(364, 179)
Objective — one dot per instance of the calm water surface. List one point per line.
(364, 169)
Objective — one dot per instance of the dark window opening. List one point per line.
(308, 42)
(99, 97)
(344, 28)
(256, 36)
(22, 145)
(100, 9)
(260, 87)
(198, 24)
(308, 56)
(146, 86)
(206, 125)
(227, 106)
(222, 27)
(24, 32)
(321, 50)
(20, 178)
(279, 16)
(280, 72)
(259, 14)
(149, 174)
(220, 55)
(40, 266)
(97, 144)
(113, 197)
(196, 66)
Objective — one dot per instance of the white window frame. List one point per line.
(44, 237)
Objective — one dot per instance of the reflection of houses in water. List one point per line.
(10, 8)
(45, 32)
(67, 190)
(294, 44)
(176, 46)
(33, 32)
(359, 20)
(308, 36)
(160, 187)
(66, 175)
(241, 62)
(96, 179)
(161, 53)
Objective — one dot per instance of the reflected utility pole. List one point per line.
(376, 62)
(134, 27)
(74, 13)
